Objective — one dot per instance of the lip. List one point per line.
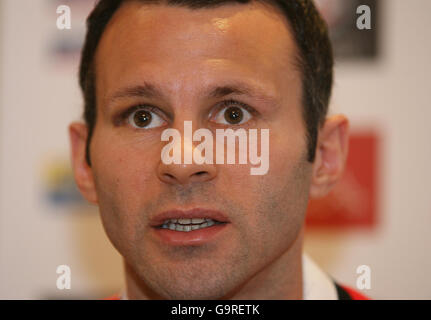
(159, 219)
(194, 237)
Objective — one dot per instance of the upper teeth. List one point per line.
(187, 221)
(187, 224)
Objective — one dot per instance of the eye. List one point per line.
(233, 113)
(145, 119)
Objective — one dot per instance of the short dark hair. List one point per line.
(310, 33)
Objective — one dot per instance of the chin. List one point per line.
(201, 287)
(203, 293)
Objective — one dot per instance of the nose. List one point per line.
(184, 173)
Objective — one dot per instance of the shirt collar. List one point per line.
(316, 284)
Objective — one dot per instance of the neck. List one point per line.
(281, 279)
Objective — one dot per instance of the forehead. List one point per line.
(171, 44)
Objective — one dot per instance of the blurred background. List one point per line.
(379, 215)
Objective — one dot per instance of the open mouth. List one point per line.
(187, 225)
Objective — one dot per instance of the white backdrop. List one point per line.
(39, 96)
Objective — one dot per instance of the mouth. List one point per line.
(187, 225)
(190, 227)
(188, 220)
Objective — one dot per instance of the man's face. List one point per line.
(183, 55)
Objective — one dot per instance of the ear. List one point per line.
(82, 171)
(331, 154)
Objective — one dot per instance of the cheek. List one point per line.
(276, 202)
(124, 175)
(124, 160)
(123, 169)
(280, 212)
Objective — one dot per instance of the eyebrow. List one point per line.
(151, 91)
(145, 91)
